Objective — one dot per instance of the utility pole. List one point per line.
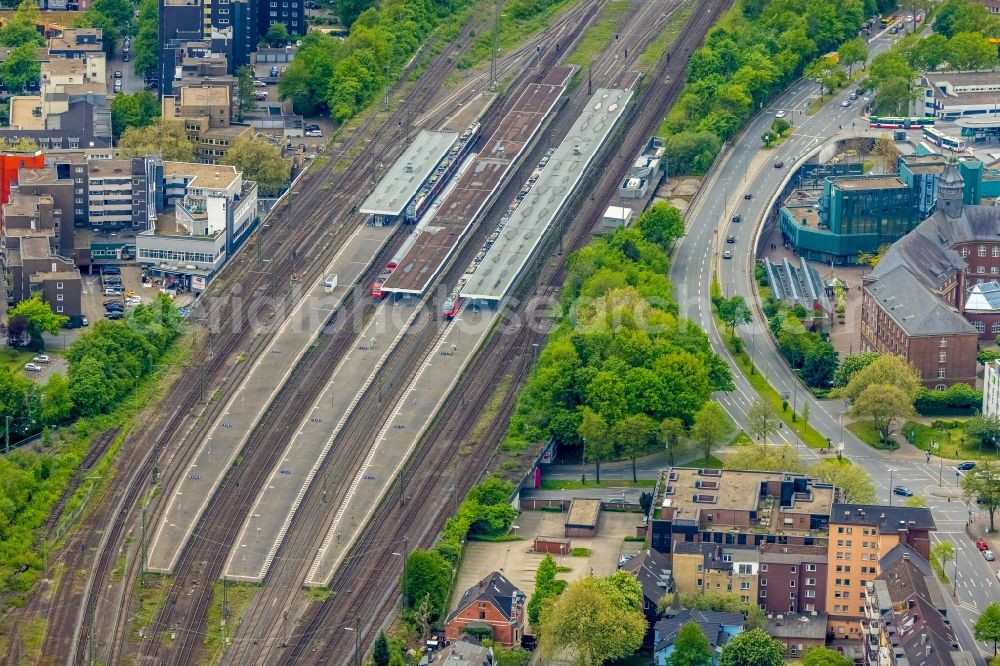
(385, 100)
(495, 47)
(406, 548)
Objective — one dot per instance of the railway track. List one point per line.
(214, 365)
(370, 564)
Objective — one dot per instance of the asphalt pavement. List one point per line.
(748, 168)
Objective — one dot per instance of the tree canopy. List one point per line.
(20, 67)
(40, 319)
(262, 162)
(885, 405)
(137, 110)
(752, 648)
(691, 647)
(983, 487)
(712, 428)
(886, 369)
(547, 587)
(166, 137)
(22, 27)
(824, 656)
(987, 627)
(595, 620)
(428, 576)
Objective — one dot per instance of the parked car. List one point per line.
(114, 315)
(274, 71)
(84, 321)
(730, 239)
(965, 467)
(32, 367)
(125, 57)
(112, 301)
(257, 83)
(117, 307)
(727, 255)
(133, 300)
(40, 358)
(111, 270)
(902, 491)
(118, 75)
(314, 132)
(110, 291)
(988, 555)
(779, 164)
(982, 545)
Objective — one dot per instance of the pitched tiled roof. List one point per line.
(711, 623)
(652, 570)
(494, 589)
(917, 309)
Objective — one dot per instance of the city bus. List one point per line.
(914, 123)
(939, 138)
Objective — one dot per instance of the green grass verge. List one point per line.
(658, 47)
(513, 31)
(866, 432)
(219, 628)
(952, 441)
(711, 462)
(938, 569)
(580, 552)
(148, 602)
(599, 34)
(572, 484)
(15, 360)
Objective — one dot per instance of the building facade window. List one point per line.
(982, 250)
(980, 326)
(942, 358)
(942, 373)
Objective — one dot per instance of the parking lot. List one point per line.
(93, 293)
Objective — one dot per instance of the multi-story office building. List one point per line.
(860, 535)
(122, 193)
(206, 113)
(991, 389)
(209, 210)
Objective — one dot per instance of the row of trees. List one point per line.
(145, 46)
(749, 648)
(806, 351)
(486, 512)
(345, 76)
(755, 51)
(621, 367)
(20, 33)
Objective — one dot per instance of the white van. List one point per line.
(330, 283)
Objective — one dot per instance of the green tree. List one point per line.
(634, 433)
(673, 437)
(661, 223)
(983, 487)
(734, 312)
(40, 319)
(20, 67)
(306, 80)
(752, 648)
(246, 100)
(111, 31)
(888, 152)
(120, 12)
(595, 619)
(886, 369)
(380, 650)
(820, 364)
(277, 35)
(970, 50)
(987, 627)
(260, 161)
(691, 647)
(930, 52)
(136, 110)
(984, 428)
(824, 656)
(852, 52)
(727, 602)
(87, 386)
(762, 421)
(943, 552)
(851, 365)
(885, 405)
(596, 439)
(766, 458)
(22, 27)
(166, 137)
(145, 45)
(428, 575)
(855, 484)
(711, 428)
(348, 11)
(57, 401)
(547, 586)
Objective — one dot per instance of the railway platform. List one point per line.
(264, 529)
(217, 452)
(378, 475)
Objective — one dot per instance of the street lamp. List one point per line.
(890, 485)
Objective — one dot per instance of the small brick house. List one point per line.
(492, 603)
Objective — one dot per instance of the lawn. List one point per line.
(866, 432)
(952, 441)
(238, 598)
(572, 484)
(15, 360)
(711, 462)
(651, 57)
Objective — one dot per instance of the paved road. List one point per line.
(749, 169)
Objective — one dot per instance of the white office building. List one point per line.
(991, 389)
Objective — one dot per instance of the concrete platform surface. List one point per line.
(229, 433)
(264, 528)
(395, 442)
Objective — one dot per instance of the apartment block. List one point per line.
(32, 265)
(738, 508)
(206, 111)
(77, 43)
(860, 535)
(708, 567)
(906, 618)
(792, 578)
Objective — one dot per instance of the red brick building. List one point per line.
(792, 568)
(10, 164)
(916, 301)
(492, 603)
